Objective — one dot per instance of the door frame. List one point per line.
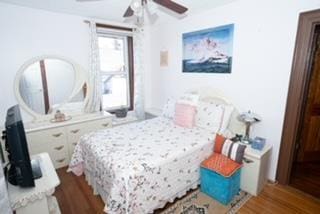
(299, 81)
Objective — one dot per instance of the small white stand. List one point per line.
(37, 199)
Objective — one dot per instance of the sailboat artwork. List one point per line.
(208, 51)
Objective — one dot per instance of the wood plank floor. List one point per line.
(75, 197)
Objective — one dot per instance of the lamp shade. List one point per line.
(249, 117)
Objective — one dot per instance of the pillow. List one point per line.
(189, 99)
(219, 143)
(184, 115)
(228, 110)
(169, 108)
(221, 164)
(233, 150)
(209, 116)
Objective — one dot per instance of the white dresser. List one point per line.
(60, 139)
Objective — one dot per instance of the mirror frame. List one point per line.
(80, 75)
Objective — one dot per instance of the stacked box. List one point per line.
(222, 189)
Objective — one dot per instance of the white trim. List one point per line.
(102, 30)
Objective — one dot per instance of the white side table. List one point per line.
(254, 173)
(38, 199)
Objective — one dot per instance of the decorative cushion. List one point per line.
(189, 99)
(233, 150)
(169, 108)
(184, 115)
(228, 110)
(221, 165)
(209, 116)
(219, 143)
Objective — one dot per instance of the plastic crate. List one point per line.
(222, 189)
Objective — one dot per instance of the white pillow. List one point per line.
(189, 99)
(209, 116)
(169, 108)
(228, 110)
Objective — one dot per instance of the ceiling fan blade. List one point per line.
(87, 0)
(178, 8)
(129, 12)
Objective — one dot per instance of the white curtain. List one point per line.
(4, 199)
(139, 69)
(94, 92)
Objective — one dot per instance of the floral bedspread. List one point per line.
(141, 166)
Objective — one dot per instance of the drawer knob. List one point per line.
(57, 135)
(61, 160)
(75, 131)
(74, 144)
(105, 124)
(59, 148)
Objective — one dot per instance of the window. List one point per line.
(116, 66)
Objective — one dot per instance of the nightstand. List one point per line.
(254, 173)
(152, 113)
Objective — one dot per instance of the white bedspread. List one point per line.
(139, 167)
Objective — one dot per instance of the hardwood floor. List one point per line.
(306, 177)
(75, 197)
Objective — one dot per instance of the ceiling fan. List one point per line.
(137, 5)
(136, 9)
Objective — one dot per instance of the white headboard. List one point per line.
(215, 96)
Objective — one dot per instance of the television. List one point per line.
(22, 171)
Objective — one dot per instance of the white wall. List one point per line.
(26, 33)
(264, 41)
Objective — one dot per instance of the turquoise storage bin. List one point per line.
(222, 189)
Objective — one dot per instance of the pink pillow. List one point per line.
(185, 115)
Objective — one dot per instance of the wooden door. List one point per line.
(309, 141)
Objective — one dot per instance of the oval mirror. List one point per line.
(46, 84)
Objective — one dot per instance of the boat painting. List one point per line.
(208, 51)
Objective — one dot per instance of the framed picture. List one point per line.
(208, 51)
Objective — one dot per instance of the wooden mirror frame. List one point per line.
(80, 79)
(301, 72)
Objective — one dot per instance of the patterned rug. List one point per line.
(199, 203)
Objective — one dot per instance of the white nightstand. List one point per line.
(38, 199)
(254, 174)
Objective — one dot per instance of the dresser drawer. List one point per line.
(60, 160)
(76, 131)
(99, 124)
(72, 146)
(42, 138)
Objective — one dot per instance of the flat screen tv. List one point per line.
(21, 171)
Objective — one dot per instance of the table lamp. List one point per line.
(248, 118)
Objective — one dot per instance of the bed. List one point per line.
(139, 167)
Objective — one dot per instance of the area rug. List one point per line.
(199, 203)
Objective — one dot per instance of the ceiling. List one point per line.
(110, 9)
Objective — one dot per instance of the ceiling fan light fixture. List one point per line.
(135, 5)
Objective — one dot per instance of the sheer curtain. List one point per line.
(139, 70)
(4, 200)
(94, 92)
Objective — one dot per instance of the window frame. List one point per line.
(126, 34)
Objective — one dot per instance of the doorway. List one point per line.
(305, 173)
(299, 159)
